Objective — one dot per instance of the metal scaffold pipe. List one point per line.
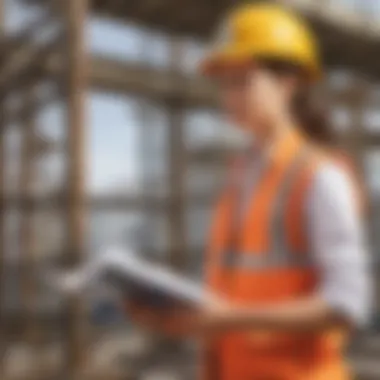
(177, 257)
(27, 243)
(38, 102)
(2, 214)
(30, 64)
(28, 32)
(76, 14)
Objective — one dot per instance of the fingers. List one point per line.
(174, 323)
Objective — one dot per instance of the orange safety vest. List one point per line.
(263, 259)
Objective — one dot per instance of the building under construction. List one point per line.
(66, 70)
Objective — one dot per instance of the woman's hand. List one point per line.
(169, 321)
(305, 315)
(179, 322)
(204, 321)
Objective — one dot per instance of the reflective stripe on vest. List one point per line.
(279, 255)
(257, 261)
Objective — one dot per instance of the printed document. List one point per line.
(137, 279)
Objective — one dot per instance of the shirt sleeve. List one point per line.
(338, 244)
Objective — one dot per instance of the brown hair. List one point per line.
(313, 119)
(312, 114)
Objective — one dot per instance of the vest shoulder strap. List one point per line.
(295, 213)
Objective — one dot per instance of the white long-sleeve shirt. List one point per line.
(336, 237)
(338, 244)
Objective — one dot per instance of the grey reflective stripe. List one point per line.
(263, 260)
(279, 250)
(280, 254)
(255, 172)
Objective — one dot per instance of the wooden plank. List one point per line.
(27, 242)
(103, 203)
(177, 165)
(111, 75)
(161, 85)
(76, 89)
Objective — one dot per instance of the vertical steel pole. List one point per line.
(28, 285)
(176, 167)
(146, 118)
(2, 206)
(356, 103)
(76, 94)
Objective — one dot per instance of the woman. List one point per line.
(286, 249)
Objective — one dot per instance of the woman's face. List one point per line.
(254, 97)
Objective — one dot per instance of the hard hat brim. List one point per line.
(235, 56)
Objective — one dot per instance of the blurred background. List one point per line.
(107, 134)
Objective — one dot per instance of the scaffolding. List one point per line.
(63, 61)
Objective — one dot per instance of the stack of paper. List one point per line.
(137, 279)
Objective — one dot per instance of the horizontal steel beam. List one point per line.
(102, 202)
(123, 77)
(162, 85)
(113, 75)
(349, 38)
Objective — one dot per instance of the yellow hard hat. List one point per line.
(265, 31)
